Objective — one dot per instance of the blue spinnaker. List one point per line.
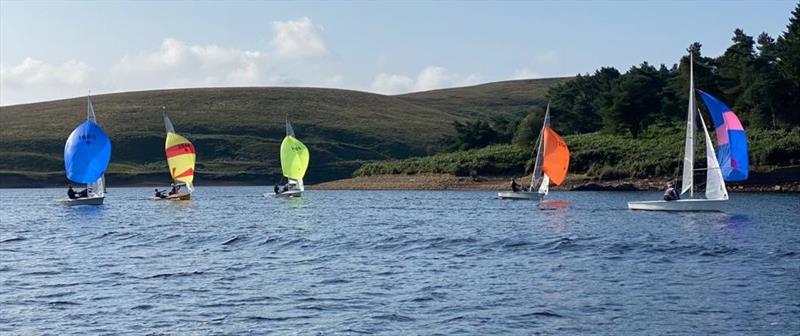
(731, 140)
(87, 153)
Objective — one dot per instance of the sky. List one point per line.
(61, 49)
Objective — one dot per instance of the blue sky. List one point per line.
(53, 50)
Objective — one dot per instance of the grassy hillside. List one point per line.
(657, 153)
(237, 131)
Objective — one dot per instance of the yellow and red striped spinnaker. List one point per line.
(180, 157)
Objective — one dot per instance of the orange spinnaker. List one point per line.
(556, 156)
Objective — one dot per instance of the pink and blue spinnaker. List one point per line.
(731, 140)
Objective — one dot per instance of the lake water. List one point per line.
(396, 262)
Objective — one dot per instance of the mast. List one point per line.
(537, 165)
(688, 151)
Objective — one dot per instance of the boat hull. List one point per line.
(520, 195)
(679, 205)
(83, 201)
(285, 194)
(175, 197)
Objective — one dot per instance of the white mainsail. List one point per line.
(715, 185)
(298, 182)
(97, 188)
(544, 188)
(688, 152)
(537, 178)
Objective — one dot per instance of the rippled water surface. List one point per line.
(345, 262)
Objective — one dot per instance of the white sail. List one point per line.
(97, 188)
(168, 124)
(536, 177)
(544, 188)
(688, 152)
(90, 110)
(300, 185)
(289, 130)
(715, 185)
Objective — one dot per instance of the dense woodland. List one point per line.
(759, 78)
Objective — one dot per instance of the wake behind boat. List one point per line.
(728, 163)
(552, 162)
(181, 157)
(86, 156)
(294, 163)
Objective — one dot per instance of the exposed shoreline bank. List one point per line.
(451, 182)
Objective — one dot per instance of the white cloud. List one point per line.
(526, 73)
(299, 38)
(430, 78)
(540, 62)
(178, 64)
(32, 78)
(390, 84)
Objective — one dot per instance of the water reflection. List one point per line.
(554, 214)
(295, 202)
(554, 204)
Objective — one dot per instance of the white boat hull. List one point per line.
(679, 205)
(290, 193)
(83, 201)
(520, 195)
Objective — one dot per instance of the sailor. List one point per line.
(514, 185)
(277, 189)
(175, 189)
(671, 194)
(160, 194)
(83, 193)
(71, 193)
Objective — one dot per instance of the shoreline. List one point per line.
(764, 182)
(498, 183)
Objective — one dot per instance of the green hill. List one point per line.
(237, 131)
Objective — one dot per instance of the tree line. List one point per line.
(759, 78)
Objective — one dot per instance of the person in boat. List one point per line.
(71, 192)
(671, 194)
(160, 194)
(514, 185)
(277, 189)
(175, 189)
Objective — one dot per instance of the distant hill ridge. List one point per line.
(237, 131)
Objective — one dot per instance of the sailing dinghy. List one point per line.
(86, 156)
(180, 159)
(294, 162)
(552, 162)
(728, 163)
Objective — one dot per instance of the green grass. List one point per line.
(656, 153)
(238, 130)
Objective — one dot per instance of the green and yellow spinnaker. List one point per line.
(294, 158)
